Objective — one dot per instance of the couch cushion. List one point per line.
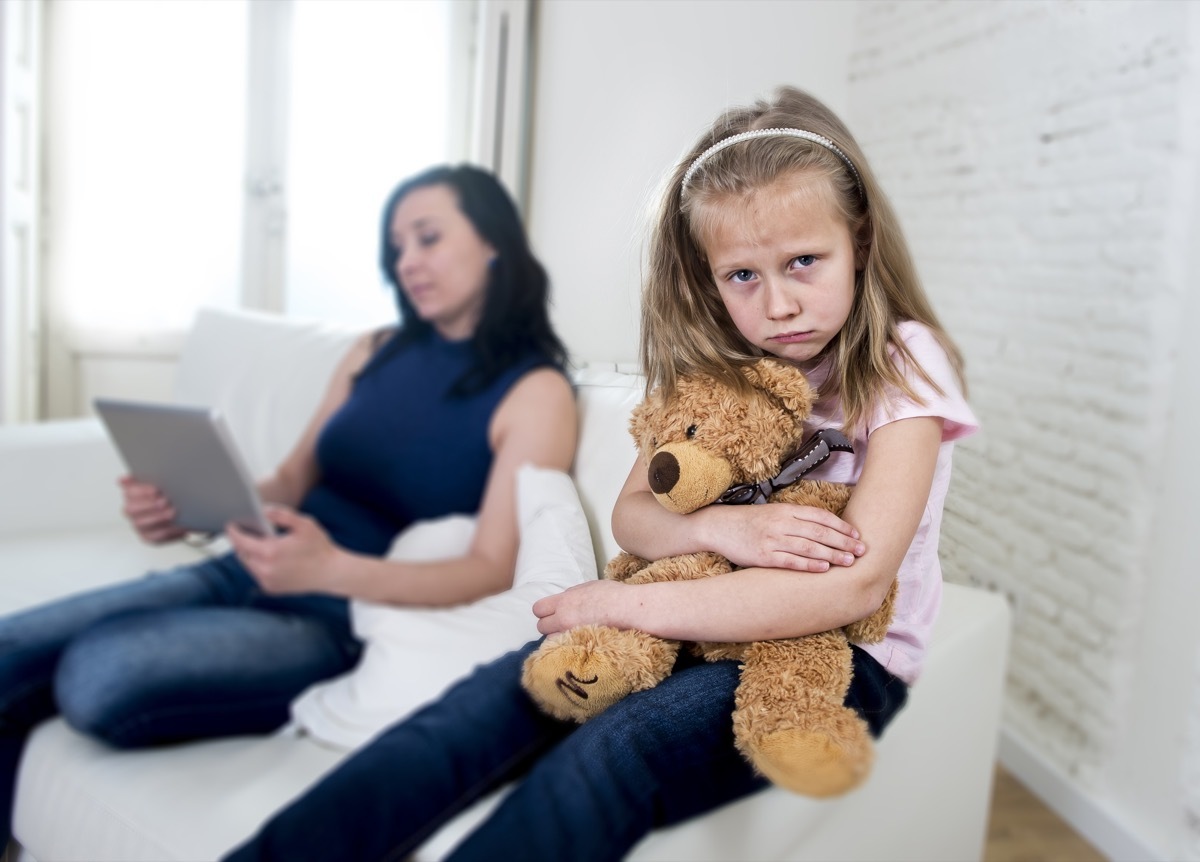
(413, 654)
(605, 396)
(266, 373)
(42, 566)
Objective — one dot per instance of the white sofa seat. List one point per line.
(77, 799)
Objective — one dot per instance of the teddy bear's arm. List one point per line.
(624, 566)
(832, 496)
(685, 567)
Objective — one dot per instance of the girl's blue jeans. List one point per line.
(588, 792)
(197, 651)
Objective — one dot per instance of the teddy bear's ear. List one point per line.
(785, 382)
(640, 424)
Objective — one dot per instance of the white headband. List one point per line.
(769, 133)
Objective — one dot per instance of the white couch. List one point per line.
(60, 531)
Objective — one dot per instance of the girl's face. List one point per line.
(783, 259)
(442, 261)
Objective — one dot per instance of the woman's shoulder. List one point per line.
(376, 338)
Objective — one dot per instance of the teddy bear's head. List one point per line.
(709, 436)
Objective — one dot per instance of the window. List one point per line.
(238, 154)
(145, 139)
(370, 105)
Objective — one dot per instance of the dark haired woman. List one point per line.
(422, 420)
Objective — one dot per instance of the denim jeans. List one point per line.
(586, 792)
(196, 651)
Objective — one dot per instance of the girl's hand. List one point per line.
(590, 603)
(299, 559)
(781, 536)
(149, 512)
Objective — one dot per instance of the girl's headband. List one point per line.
(769, 133)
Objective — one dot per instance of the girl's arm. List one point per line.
(536, 423)
(762, 603)
(775, 535)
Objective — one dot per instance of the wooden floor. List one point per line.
(1023, 829)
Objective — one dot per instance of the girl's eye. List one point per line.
(742, 276)
(429, 239)
(804, 260)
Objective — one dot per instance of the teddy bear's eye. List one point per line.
(653, 442)
(691, 431)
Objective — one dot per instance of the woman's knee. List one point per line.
(106, 677)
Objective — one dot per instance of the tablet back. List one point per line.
(189, 455)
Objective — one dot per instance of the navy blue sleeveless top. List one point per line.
(402, 448)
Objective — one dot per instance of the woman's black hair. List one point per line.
(516, 318)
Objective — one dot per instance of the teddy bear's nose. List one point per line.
(664, 472)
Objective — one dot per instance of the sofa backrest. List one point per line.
(267, 374)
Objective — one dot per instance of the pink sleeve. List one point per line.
(950, 405)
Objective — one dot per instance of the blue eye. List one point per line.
(741, 276)
(805, 260)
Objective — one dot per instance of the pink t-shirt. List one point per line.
(919, 595)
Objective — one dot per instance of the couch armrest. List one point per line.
(58, 475)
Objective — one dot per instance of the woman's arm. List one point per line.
(763, 603)
(535, 423)
(298, 472)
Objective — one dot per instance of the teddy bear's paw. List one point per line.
(812, 763)
(581, 673)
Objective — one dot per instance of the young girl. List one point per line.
(773, 238)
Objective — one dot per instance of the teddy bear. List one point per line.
(713, 444)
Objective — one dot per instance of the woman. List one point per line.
(422, 420)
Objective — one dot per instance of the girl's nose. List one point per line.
(781, 304)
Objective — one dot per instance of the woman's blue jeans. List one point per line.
(587, 792)
(197, 651)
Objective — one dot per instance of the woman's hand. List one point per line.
(149, 512)
(590, 603)
(299, 559)
(781, 536)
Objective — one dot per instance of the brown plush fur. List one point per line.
(790, 721)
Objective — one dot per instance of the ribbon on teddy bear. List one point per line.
(812, 453)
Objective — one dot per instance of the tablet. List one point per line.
(189, 455)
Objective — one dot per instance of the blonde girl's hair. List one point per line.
(685, 327)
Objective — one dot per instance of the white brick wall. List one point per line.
(1033, 150)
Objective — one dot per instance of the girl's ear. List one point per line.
(862, 243)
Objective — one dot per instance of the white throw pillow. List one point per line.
(412, 655)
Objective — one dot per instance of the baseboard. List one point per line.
(1090, 817)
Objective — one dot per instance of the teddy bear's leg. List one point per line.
(579, 673)
(791, 722)
(873, 629)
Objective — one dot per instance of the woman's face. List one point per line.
(442, 261)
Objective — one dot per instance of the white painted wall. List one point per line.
(621, 90)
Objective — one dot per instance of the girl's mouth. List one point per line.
(792, 337)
